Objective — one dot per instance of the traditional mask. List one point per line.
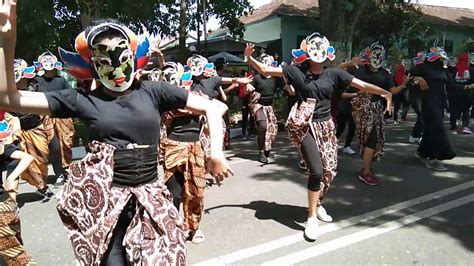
(268, 60)
(155, 75)
(437, 53)
(172, 73)
(374, 55)
(22, 70)
(47, 62)
(453, 61)
(420, 58)
(116, 65)
(196, 64)
(315, 47)
(209, 70)
(471, 58)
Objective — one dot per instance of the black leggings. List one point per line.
(372, 140)
(342, 120)
(116, 254)
(261, 126)
(176, 185)
(310, 152)
(55, 155)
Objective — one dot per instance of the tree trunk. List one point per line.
(89, 10)
(183, 23)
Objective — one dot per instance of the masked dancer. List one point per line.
(309, 124)
(115, 209)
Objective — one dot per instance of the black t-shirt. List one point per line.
(28, 121)
(208, 86)
(320, 87)
(381, 78)
(266, 87)
(187, 128)
(130, 118)
(56, 83)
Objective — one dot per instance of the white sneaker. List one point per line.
(414, 140)
(323, 215)
(311, 230)
(348, 150)
(436, 165)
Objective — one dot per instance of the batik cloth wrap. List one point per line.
(299, 125)
(367, 116)
(12, 252)
(89, 207)
(268, 114)
(35, 143)
(188, 158)
(64, 130)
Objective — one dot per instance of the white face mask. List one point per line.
(377, 58)
(453, 62)
(267, 60)
(115, 66)
(49, 62)
(317, 48)
(197, 64)
(471, 59)
(155, 75)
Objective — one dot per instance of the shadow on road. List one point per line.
(287, 215)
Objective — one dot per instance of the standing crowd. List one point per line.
(115, 206)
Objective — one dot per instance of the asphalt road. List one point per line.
(416, 216)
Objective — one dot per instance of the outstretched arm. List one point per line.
(261, 68)
(10, 97)
(372, 89)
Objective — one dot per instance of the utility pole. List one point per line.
(204, 11)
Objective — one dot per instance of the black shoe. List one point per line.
(61, 180)
(262, 158)
(302, 165)
(45, 192)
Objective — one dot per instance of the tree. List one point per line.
(48, 24)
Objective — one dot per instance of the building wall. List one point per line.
(453, 36)
(294, 29)
(264, 31)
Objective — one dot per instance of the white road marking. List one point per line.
(295, 238)
(360, 236)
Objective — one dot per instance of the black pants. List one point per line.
(55, 156)
(344, 118)
(261, 126)
(310, 152)
(176, 186)
(415, 101)
(458, 110)
(401, 100)
(8, 166)
(245, 117)
(116, 255)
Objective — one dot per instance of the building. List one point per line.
(282, 24)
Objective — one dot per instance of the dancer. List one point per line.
(60, 131)
(314, 87)
(12, 251)
(114, 207)
(185, 146)
(368, 110)
(433, 79)
(460, 100)
(33, 136)
(400, 100)
(261, 92)
(414, 96)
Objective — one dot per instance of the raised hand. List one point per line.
(249, 50)
(8, 20)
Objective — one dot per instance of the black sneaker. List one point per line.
(61, 179)
(45, 192)
(302, 165)
(262, 158)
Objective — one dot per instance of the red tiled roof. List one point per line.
(433, 14)
(284, 7)
(448, 15)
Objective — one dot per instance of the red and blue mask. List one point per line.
(47, 62)
(22, 70)
(374, 55)
(315, 47)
